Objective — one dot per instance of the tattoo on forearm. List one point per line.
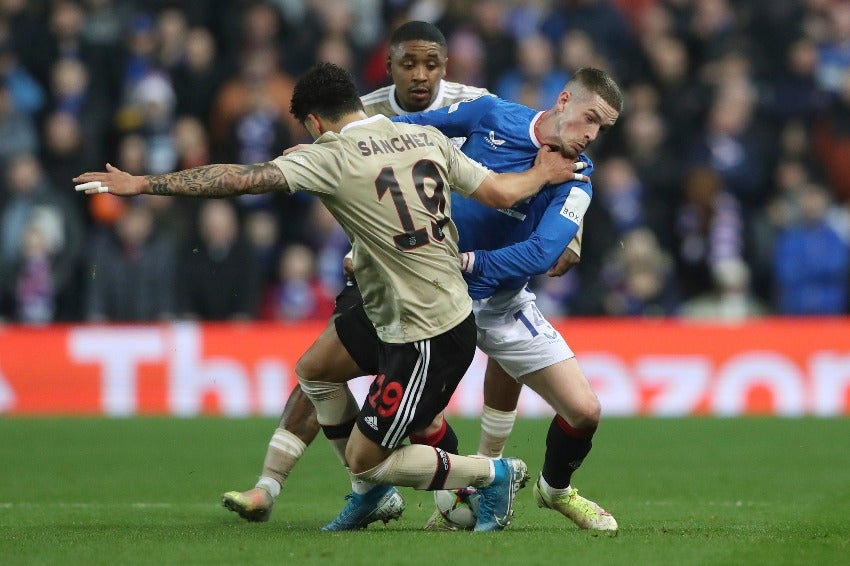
(219, 180)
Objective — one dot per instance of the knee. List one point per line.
(358, 464)
(311, 368)
(432, 428)
(586, 413)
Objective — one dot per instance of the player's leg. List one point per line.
(515, 334)
(298, 425)
(415, 382)
(569, 440)
(501, 394)
(337, 410)
(325, 361)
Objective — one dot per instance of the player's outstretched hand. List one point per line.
(114, 181)
(560, 168)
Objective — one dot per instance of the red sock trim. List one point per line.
(574, 432)
(432, 439)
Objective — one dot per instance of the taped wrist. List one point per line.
(467, 261)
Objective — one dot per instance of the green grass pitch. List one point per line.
(685, 491)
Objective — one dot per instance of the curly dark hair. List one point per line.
(325, 90)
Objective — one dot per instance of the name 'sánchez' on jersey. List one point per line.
(396, 144)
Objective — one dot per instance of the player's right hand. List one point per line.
(560, 169)
(567, 260)
(114, 181)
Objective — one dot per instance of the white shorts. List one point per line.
(513, 332)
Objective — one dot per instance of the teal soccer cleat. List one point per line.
(496, 504)
(381, 503)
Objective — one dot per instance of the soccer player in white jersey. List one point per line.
(388, 185)
(417, 66)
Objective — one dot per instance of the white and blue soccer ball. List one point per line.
(459, 507)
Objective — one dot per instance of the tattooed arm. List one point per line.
(207, 181)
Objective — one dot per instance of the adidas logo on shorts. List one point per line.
(372, 422)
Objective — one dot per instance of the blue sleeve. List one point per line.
(539, 251)
(457, 120)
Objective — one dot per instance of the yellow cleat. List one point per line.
(254, 505)
(583, 512)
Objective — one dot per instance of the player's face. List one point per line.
(578, 120)
(416, 67)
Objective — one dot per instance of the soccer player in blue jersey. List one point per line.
(503, 249)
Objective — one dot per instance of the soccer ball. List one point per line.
(459, 507)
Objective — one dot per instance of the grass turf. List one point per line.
(685, 491)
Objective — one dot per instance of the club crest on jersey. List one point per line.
(491, 139)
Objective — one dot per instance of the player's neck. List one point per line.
(540, 126)
(344, 121)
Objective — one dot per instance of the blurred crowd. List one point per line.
(723, 191)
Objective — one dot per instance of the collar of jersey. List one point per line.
(362, 122)
(531, 133)
(438, 100)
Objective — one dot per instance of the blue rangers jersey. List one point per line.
(510, 245)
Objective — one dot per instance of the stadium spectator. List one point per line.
(812, 259)
(638, 278)
(28, 94)
(17, 129)
(577, 50)
(831, 143)
(834, 51)
(730, 300)
(646, 147)
(172, 30)
(30, 198)
(257, 133)
(728, 144)
(131, 271)
(219, 279)
(619, 209)
(466, 51)
(598, 19)
(137, 60)
(297, 294)
(489, 22)
(259, 72)
(28, 283)
(794, 94)
(65, 150)
(104, 23)
(683, 99)
(536, 79)
(72, 93)
(198, 76)
(191, 142)
(708, 228)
